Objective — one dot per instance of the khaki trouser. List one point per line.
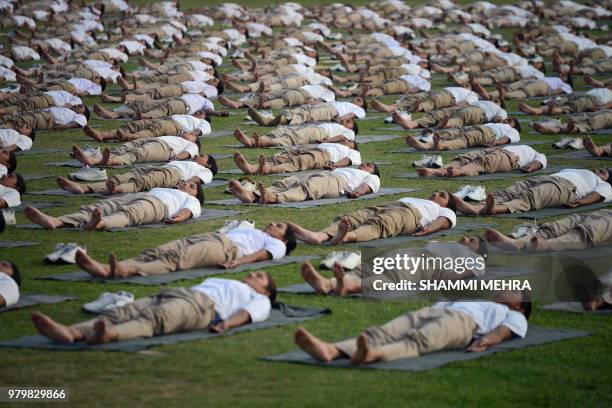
(37, 120)
(536, 193)
(436, 100)
(143, 151)
(279, 99)
(594, 121)
(432, 118)
(416, 333)
(76, 72)
(469, 115)
(173, 310)
(498, 75)
(299, 159)
(380, 221)
(141, 179)
(119, 212)
(309, 113)
(156, 109)
(312, 187)
(297, 135)
(61, 86)
(485, 161)
(394, 86)
(526, 89)
(197, 251)
(26, 102)
(578, 103)
(472, 136)
(594, 67)
(148, 128)
(158, 92)
(169, 79)
(408, 101)
(577, 231)
(292, 81)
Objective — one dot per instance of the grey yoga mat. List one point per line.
(77, 164)
(281, 315)
(461, 227)
(28, 177)
(40, 206)
(33, 299)
(554, 212)
(576, 307)
(154, 280)
(40, 150)
(580, 155)
(468, 149)
(363, 139)
(323, 201)
(207, 214)
(17, 244)
(485, 177)
(535, 336)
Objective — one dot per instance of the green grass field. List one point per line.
(228, 371)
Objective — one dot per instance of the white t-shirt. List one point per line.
(133, 47)
(429, 210)
(528, 71)
(189, 123)
(6, 62)
(416, 81)
(319, 92)
(197, 102)
(63, 98)
(9, 137)
(586, 182)
(9, 290)
(526, 154)
(583, 43)
(65, 116)
(179, 145)
(513, 60)
(3, 170)
(339, 151)
(555, 83)
(491, 110)
(231, 296)
(22, 52)
(201, 76)
(85, 85)
(251, 240)
(504, 130)
(415, 69)
(196, 87)
(304, 60)
(199, 65)
(335, 129)
(356, 178)
(191, 169)
(7, 74)
(115, 54)
(489, 315)
(209, 55)
(10, 195)
(462, 94)
(177, 200)
(603, 95)
(344, 108)
(95, 64)
(316, 79)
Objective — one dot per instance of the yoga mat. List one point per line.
(207, 214)
(281, 315)
(485, 176)
(460, 228)
(40, 206)
(28, 177)
(323, 201)
(17, 244)
(554, 212)
(575, 307)
(217, 133)
(33, 299)
(468, 149)
(77, 164)
(40, 150)
(154, 280)
(535, 336)
(580, 155)
(363, 139)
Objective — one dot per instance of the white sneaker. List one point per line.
(563, 143)
(69, 253)
(108, 301)
(92, 150)
(477, 194)
(523, 230)
(247, 185)
(54, 256)
(576, 144)
(464, 191)
(425, 138)
(230, 225)
(338, 67)
(9, 217)
(89, 174)
(432, 162)
(348, 260)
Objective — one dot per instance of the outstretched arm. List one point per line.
(531, 167)
(492, 338)
(258, 256)
(440, 223)
(501, 141)
(588, 199)
(359, 191)
(180, 216)
(239, 318)
(342, 163)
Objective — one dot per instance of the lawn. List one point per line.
(228, 371)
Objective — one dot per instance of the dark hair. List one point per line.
(355, 146)
(220, 87)
(12, 164)
(33, 134)
(208, 117)
(355, 127)
(212, 164)
(103, 83)
(452, 202)
(376, 171)
(517, 125)
(526, 304)
(570, 80)
(271, 288)
(200, 193)
(21, 185)
(544, 68)
(86, 112)
(365, 103)
(16, 274)
(290, 242)
(197, 142)
(610, 175)
(2, 222)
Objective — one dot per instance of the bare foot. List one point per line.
(543, 128)
(46, 221)
(320, 284)
(426, 172)
(453, 172)
(402, 121)
(243, 164)
(256, 138)
(537, 244)
(266, 197)
(116, 269)
(314, 346)
(263, 167)
(343, 228)
(80, 155)
(105, 113)
(414, 142)
(91, 266)
(94, 134)
(242, 194)
(108, 98)
(303, 234)
(341, 289)
(71, 186)
(381, 107)
(488, 207)
(229, 103)
(523, 107)
(242, 138)
(591, 147)
(364, 353)
(51, 329)
(102, 333)
(500, 240)
(96, 222)
(105, 157)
